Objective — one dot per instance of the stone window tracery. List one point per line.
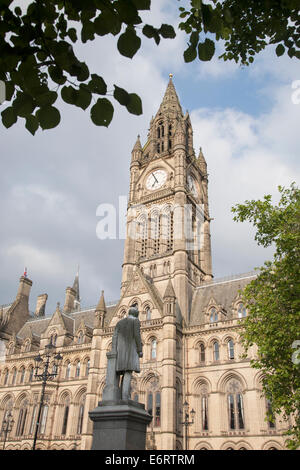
(235, 405)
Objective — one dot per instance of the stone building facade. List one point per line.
(190, 322)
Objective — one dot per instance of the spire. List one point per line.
(101, 307)
(170, 102)
(76, 289)
(137, 145)
(100, 312)
(201, 162)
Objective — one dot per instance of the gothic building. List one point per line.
(190, 322)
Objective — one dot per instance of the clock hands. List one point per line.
(156, 181)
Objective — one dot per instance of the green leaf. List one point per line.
(9, 117)
(167, 31)
(48, 117)
(56, 75)
(129, 43)
(206, 50)
(102, 112)
(135, 104)
(280, 50)
(142, 4)
(83, 98)
(68, 94)
(32, 124)
(46, 99)
(149, 31)
(97, 85)
(121, 95)
(190, 54)
(23, 104)
(72, 34)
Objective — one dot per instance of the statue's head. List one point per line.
(133, 311)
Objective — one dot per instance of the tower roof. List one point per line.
(76, 286)
(170, 102)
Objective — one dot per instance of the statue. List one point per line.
(120, 423)
(124, 357)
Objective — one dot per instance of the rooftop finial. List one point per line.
(170, 75)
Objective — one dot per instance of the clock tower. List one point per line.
(168, 223)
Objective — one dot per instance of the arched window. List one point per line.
(87, 367)
(153, 349)
(22, 418)
(235, 405)
(65, 416)
(77, 370)
(202, 353)
(80, 338)
(43, 419)
(14, 376)
(31, 371)
(230, 345)
(144, 236)
(154, 401)
(216, 350)
(270, 415)
(68, 370)
(6, 374)
(242, 312)
(204, 407)
(213, 315)
(80, 415)
(53, 339)
(33, 419)
(22, 375)
(148, 313)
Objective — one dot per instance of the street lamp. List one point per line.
(7, 426)
(44, 376)
(186, 421)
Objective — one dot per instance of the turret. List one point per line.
(100, 312)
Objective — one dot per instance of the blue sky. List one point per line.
(51, 184)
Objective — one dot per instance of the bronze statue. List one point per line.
(127, 345)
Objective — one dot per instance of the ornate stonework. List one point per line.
(190, 323)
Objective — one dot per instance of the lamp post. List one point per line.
(7, 426)
(44, 376)
(186, 421)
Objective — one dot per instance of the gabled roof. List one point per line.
(224, 293)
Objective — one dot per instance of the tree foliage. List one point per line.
(37, 58)
(273, 301)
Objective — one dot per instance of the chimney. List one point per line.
(40, 305)
(70, 300)
(24, 287)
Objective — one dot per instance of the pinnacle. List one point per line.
(101, 307)
(137, 145)
(169, 292)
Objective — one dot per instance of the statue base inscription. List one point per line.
(119, 425)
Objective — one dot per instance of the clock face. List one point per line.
(156, 179)
(192, 185)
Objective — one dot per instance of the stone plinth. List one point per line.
(119, 425)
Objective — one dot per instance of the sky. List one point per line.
(245, 119)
